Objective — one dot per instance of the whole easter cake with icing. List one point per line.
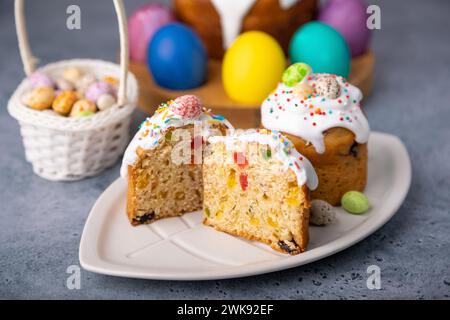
(163, 163)
(219, 22)
(321, 114)
(256, 186)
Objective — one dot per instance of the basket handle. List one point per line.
(29, 61)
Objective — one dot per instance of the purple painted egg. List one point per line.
(349, 17)
(97, 89)
(39, 79)
(142, 24)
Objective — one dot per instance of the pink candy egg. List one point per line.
(39, 79)
(97, 89)
(349, 17)
(188, 106)
(142, 24)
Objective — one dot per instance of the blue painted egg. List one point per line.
(322, 47)
(177, 58)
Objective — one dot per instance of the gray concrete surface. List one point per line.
(41, 222)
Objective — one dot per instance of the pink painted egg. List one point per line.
(142, 24)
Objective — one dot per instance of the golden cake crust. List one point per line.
(341, 168)
(131, 204)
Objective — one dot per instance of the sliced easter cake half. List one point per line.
(163, 163)
(256, 186)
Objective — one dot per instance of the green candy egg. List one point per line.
(355, 202)
(295, 73)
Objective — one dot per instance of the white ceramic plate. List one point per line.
(184, 249)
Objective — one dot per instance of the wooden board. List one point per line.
(213, 94)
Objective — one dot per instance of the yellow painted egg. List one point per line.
(252, 67)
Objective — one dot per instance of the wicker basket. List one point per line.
(63, 149)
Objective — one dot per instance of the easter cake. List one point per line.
(321, 114)
(256, 186)
(219, 22)
(163, 161)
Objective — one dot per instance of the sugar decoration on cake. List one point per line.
(313, 104)
(280, 148)
(182, 111)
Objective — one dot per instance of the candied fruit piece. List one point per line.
(231, 182)
(240, 159)
(254, 221)
(293, 198)
(272, 223)
(207, 212)
(219, 214)
(266, 153)
(142, 181)
(196, 142)
(243, 180)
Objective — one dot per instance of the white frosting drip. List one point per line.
(309, 118)
(232, 14)
(281, 148)
(287, 4)
(153, 130)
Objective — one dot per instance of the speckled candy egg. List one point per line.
(177, 58)
(349, 17)
(83, 108)
(39, 79)
(322, 47)
(105, 101)
(188, 106)
(64, 102)
(64, 85)
(322, 213)
(85, 81)
(252, 67)
(40, 98)
(328, 87)
(96, 89)
(142, 24)
(73, 74)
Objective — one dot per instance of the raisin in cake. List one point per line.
(321, 114)
(163, 163)
(256, 186)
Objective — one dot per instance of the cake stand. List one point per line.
(213, 94)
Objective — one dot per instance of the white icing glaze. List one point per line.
(309, 117)
(281, 148)
(287, 4)
(232, 14)
(153, 129)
